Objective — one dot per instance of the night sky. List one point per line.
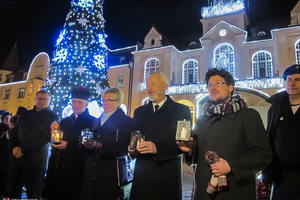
(35, 24)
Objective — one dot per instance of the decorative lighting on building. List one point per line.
(219, 8)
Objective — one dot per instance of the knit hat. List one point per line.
(80, 93)
(294, 69)
(2, 117)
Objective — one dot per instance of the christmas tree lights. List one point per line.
(80, 57)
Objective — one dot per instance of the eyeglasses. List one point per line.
(218, 84)
(108, 100)
(42, 99)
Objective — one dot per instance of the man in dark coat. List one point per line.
(106, 168)
(231, 144)
(158, 169)
(283, 131)
(5, 154)
(29, 143)
(67, 162)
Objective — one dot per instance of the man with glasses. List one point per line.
(29, 143)
(229, 144)
(284, 134)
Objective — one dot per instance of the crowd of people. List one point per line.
(228, 144)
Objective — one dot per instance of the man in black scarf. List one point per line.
(232, 133)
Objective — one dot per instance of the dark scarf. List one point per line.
(233, 105)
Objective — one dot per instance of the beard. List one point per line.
(220, 100)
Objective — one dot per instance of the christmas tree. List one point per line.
(80, 57)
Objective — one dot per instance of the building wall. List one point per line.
(35, 80)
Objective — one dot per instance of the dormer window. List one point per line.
(24, 75)
(11, 78)
(261, 33)
(152, 42)
(122, 60)
(193, 43)
(39, 71)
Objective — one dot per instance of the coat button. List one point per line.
(281, 118)
(94, 164)
(94, 179)
(98, 136)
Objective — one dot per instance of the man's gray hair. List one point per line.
(162, 76)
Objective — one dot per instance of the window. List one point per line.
(39, 87)
(39, 70)
(190, 72)
(152, 65)
(11, 78)
(261, 33)
(7, 94)
(30, 89)
(120, 81)
(0, 78)
(25, 76)
(297, 49)
(262, 65)
(152, 42)
(22, 92)
(224, 58)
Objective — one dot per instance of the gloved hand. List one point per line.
(93, 144)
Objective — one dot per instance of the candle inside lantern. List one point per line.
(56, 136)
(183, 132)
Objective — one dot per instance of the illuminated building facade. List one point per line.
(18, 87)
(255, 56)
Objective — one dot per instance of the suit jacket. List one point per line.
(159, 176)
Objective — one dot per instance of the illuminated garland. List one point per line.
(219, 8)
(201, 87)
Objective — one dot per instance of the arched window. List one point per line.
(152, 65)
(262, 65)
(297, 49)
(224, 58)
(190, 72)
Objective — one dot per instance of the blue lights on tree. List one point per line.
(80, 57)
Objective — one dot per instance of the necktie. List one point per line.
(156, 108)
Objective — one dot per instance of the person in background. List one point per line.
(1, 113)
(5, 154)
(230, 143)
(29, 143)
(67, 162)
(158, 168)
(107, 164)
(284, 134)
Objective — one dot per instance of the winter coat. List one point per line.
(283, 132)
(240, 139)
(159, 176)
(66, 167)
(101, 176)
(32, 134)
(5, 154)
